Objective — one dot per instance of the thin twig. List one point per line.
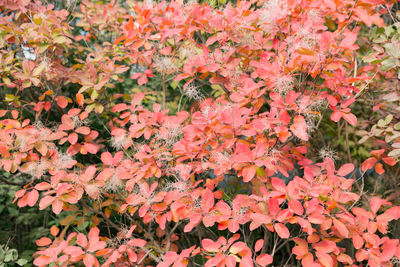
(98, 212)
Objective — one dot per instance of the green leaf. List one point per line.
(22, 262)
(394, 153)
(39, 69)
(11, 255)
(392, 50)
(174, 84)
(381, 123)
(61, 39)
(388, 119)
(388, 64)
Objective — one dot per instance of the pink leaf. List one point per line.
(210, 246)
(350, 118)
(249, 172)
(299, 127)
(259, 244)
(377, 202)
(89, 260)
(278, 184)
(73, 251)
(107, 158)
(345, 169)
(33, 196)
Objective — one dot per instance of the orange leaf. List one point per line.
(379, 168)
(79, 99)
(54, 230)
(342, 229)
(44, 241)
(325, 259)
(325, 246)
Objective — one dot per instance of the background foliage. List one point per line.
(78, 77)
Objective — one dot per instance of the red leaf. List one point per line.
(208, 201)
(107, 158)
(83, 130)
(336, 115)
(73, 251)
(345, 169)
(282, 230)
(325, 246)
(73, 138)
(44, 241)
(324, 259)
(350, 118)
(342, 229)
(389, 161)
(376, 203)
(368, 164)
(89, 260)
(246, 261)
(81, 240)
(273, 206)
(142, 80)
(264, 259)
(249, 172)
(33, 196)
(136, 242)
(43, 261)
(296, 207)
(62, 101)
(345, 258)
(299, 127)
(210, 246)
(358, 241)
(349, 39)
(91, 148)
(45, 202)
(165, 51)
(57, 206)
(278, 184)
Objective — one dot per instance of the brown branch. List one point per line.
(98, 212)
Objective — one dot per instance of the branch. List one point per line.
(148, 253)
(98, 212)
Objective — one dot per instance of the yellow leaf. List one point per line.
(39, 69)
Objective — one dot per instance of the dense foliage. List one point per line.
(200, 134)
